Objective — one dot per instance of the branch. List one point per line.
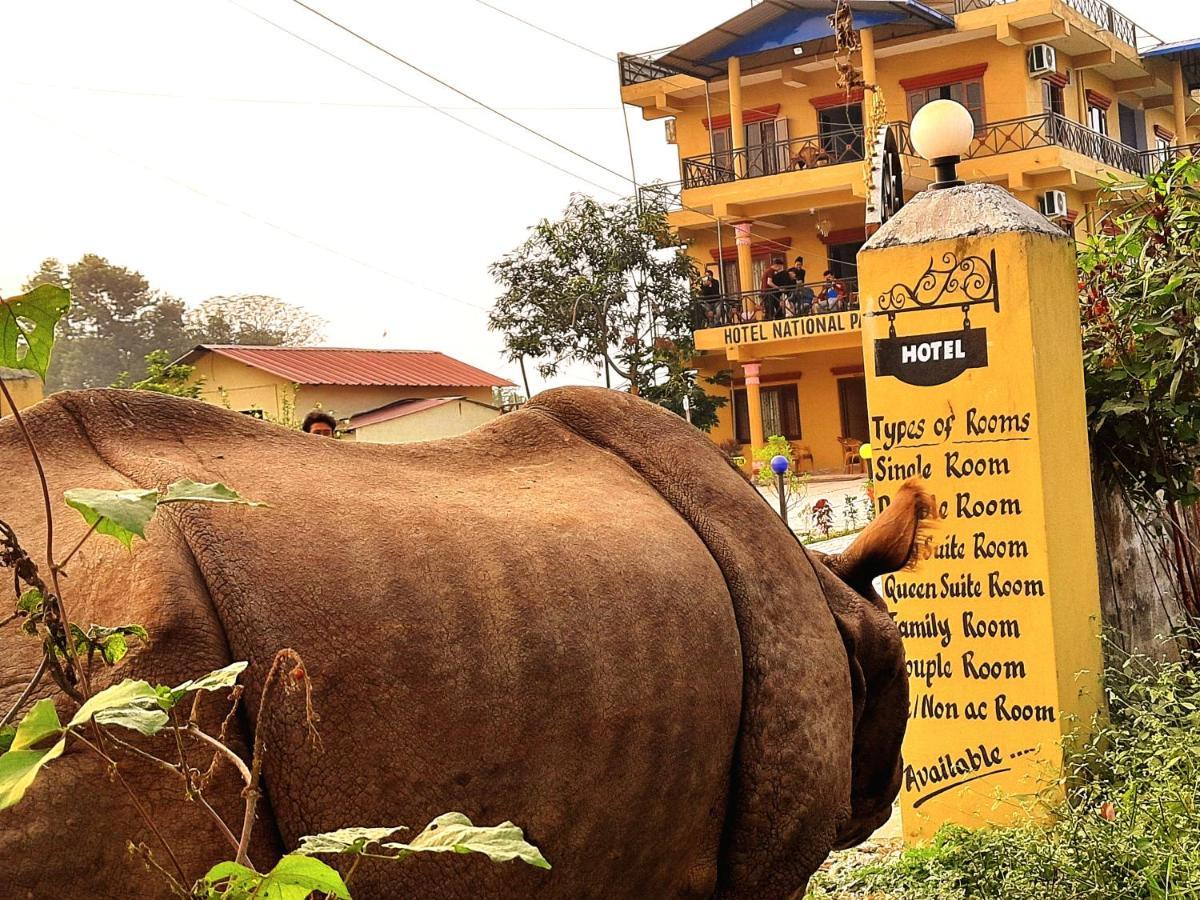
(29, 689)
(62, 565)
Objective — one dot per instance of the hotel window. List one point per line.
(968, 93)
(1097, 112)
(1053, 100)
(780, 413)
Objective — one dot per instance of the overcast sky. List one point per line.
(216, 154)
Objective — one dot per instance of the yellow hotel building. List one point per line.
(777, 161)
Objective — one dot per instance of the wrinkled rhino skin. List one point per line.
(578, 617)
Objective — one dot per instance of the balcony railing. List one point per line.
(642, 67)
(1095, 11)
(828, 149)
(814, 299)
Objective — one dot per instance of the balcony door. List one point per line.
(767, 147)
(1132, 123)
(840, 130)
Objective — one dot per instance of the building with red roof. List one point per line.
(374, 387)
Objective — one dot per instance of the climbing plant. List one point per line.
(33, 735)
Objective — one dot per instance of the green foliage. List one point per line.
(27, 327)
(605, 283)
(1140, 307)
(164, 377)
(111, 642)
(293, 878)
(124, 514)
(1129, 827)
(252, 319)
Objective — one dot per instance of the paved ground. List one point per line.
(836, 491)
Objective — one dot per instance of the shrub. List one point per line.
(1128, 826)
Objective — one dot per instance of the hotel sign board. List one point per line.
(812, 326)
(1001, 612)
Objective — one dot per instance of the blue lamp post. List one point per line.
(780, 465)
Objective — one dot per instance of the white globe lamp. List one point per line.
(942, 132)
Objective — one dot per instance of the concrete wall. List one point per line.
(443, 421)
(25, 391)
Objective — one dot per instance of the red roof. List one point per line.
(335, 365)
(400, 408)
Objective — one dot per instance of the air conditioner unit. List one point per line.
(1053, 204)
(1042, 60)
(669, 128)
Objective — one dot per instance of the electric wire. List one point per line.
(426, 103)
(283, 229)
(545, 31)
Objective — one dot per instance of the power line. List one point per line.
(461, 93)
(246, 213)
(426, 103)
(545, 31)
(287, 101)
(448, 86)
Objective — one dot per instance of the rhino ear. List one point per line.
(898, 537)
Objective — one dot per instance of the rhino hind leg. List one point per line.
(791, 778)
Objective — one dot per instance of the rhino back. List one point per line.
(514, 624)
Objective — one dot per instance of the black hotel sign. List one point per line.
(930, 359)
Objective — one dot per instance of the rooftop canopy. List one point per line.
(1188, 54)
(769, 32)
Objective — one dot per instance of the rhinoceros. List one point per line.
(579, 617)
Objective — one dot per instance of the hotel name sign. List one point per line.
(779, 330)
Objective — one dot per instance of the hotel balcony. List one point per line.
(827, 170)
(812, 319)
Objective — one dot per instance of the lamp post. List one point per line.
(942, 132)
(780, 466)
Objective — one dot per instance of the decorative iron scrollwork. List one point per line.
(950, 282)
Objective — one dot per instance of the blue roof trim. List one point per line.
(1174, 47)
(799, 26)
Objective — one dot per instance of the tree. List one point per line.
(164, 377)
(1140, 309)
(606, 284)
(253, 319)
(115, 320)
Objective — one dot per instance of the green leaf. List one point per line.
(19, 768)
(120, 514)
(27, 327)
(345, 840)
(39, 723)
(31, 602)
(7, 733)
(216, 680)
(453, 832)
(20, 763)
(123, 704)
(295, 877)
(187, 491)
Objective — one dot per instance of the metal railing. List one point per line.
(1095, 11)
(813, 299)
(828, 149)
(642, 67)
(1153, 160)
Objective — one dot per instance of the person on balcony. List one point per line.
(782, 284)
(709, 292)
(832, 295)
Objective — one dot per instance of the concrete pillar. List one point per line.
(737, 124)
(745, 264)
(1179, 103)
(754, 407)
(963, 292)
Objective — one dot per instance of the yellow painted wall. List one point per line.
(25, 391)
(820, 414)
(442, 421)
(237, 386)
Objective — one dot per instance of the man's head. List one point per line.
(319, 423)
(708, 275)
(828, 275)
(777, 263)
(799, 261)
